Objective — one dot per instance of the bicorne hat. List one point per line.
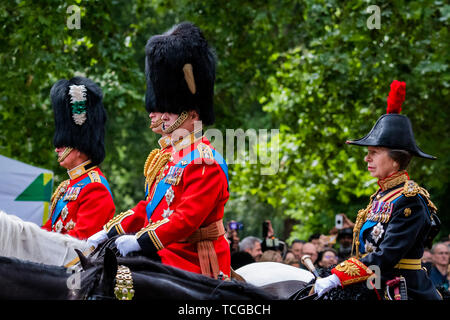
(180, 71)
(393, 130)
(79, 117)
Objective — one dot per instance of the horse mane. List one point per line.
(33, 266)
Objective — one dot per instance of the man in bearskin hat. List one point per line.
(180, 221)
(82, 204)
(400, 219)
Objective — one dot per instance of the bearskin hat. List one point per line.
(180, 71)
(79, 117)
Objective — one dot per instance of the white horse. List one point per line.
(26, 241)
(263, 273)
(279, 279)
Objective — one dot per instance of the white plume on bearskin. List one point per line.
(77, 93)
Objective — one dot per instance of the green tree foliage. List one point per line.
(311, 69)
(332, 86)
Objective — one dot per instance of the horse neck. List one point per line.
(27, 280)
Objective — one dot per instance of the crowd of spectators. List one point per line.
(324, 250)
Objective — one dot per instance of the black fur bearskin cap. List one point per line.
(171, 87)
(79, 117)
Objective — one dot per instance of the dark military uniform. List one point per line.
(393, 233)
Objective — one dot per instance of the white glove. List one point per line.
(324, 285)
(126, 244)
(97, 238)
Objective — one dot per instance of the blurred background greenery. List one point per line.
(310, 68)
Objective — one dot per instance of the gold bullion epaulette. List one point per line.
(410, 189)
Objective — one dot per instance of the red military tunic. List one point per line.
(195, 200)
(87, 208)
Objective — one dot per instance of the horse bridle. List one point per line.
(123, 289)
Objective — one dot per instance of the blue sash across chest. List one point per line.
(377, 214)
(80, 184)
(163, 186)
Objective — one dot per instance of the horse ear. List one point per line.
(85, 263)
(110, 263)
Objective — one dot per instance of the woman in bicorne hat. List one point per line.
(400, 219)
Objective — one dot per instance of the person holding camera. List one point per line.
(400, 219)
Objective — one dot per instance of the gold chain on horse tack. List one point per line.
(124, 284)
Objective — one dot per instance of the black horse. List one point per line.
(153, 280)
(23, 280)
(28, 280)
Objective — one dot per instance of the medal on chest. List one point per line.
(72, 194)
(380, 211)
(174, 175)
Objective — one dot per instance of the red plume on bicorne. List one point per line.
(396, 97)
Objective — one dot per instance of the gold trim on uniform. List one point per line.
(360, 219)
(164, 142)
(394, 180)
(156, 161)
(94, 176)
(410, 189)
(79, 170)
(117, 220)
(58, 194)
(150, 230)
(348, 268)
(409, 264)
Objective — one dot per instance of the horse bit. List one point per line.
(124, 284)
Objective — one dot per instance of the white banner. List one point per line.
(25, 191)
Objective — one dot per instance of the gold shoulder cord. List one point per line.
(156, 160)
(426, 194)
(59, 192)
(360, 219)
(151, 158)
